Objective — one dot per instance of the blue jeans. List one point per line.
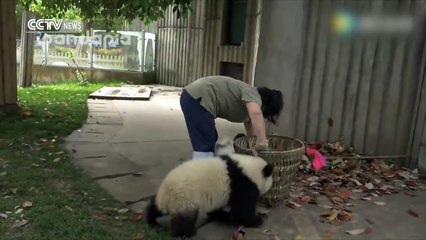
(199, 122)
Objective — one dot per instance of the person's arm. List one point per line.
(257, 123)
(249, 128)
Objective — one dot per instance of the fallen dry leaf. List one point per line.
(345, 195)
(337, 223)
(56, 160)
(69, 209)
(2, 215)
(412, 213)
(380, 203)
(14, 190)
(356, 231)
(404, 174)
(366, 198)
(2, 174)
(312, 179)
(19, 210)
(140, 237)
(344, 216)
(19, 223)
(369, 186)
(298, 237)
(27, 204)
(303, 200)
(327, 234)
(123, 210)
(337, 200)
(356, 182)
(333, 216)
(26, 113)
(325, 206)
(136, 217)
(293, 204)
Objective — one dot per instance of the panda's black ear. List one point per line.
(267, 170)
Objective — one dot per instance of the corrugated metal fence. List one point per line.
(361, 90)
(191, 48)
(180, 47)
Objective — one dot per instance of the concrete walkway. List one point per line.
(129, 146)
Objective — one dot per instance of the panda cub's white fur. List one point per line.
(207, 186)
(225, 145)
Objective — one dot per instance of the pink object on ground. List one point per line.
(319, 160)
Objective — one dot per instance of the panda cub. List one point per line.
(205, 187)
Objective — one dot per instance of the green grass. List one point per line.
(66, 204)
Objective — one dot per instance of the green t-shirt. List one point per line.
(224, 97)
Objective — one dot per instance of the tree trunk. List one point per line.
(27, 51)
(8, 86)
(87, 26)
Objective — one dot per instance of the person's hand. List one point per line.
(262, 145)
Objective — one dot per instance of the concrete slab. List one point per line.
(130, 188)
(133, 188)
(160, 119)
(89, 149)
(109, 165)
(148, 155)
(105, 118)
(93, 133)
(96, 105)
(279, 224)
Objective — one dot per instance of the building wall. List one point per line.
(364, 91)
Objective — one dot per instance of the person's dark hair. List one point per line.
(272, 103)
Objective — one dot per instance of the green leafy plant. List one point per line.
(80, 74)
(111, 10)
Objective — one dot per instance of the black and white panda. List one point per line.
(205, 187)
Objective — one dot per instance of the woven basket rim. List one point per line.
(237, 143)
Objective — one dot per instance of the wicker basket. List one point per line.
(284, 154)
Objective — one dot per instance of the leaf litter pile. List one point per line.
(348, 177)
